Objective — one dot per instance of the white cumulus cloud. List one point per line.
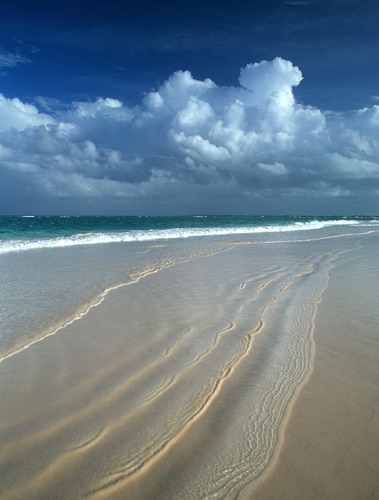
(17, 115)
(190, 146)
(268, 78)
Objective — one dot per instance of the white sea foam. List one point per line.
(95, 238)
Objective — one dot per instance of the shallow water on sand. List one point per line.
(176, 385)
(330, 445)
(43, 289)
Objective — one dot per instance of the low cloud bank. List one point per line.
(190, 146)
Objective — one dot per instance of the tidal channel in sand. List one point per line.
(331, 442)
(182, 383)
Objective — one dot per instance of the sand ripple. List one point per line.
(175, 386)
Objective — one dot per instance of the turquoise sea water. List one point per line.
(33, 232)
(53, 269)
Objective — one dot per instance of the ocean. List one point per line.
(55, 268)
(33, 232)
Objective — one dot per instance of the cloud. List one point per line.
(190, 146)
(275, 169)
(11, 60)
(270, 77)
(16, 115)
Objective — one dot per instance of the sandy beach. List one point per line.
(330, 441)
(247, 372)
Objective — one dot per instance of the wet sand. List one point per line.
(246, 373)
(330, 442)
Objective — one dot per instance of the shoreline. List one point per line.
(179, 383)
(73, 313)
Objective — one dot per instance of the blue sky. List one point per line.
(120, 107)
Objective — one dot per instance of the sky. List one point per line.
(167, 108)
